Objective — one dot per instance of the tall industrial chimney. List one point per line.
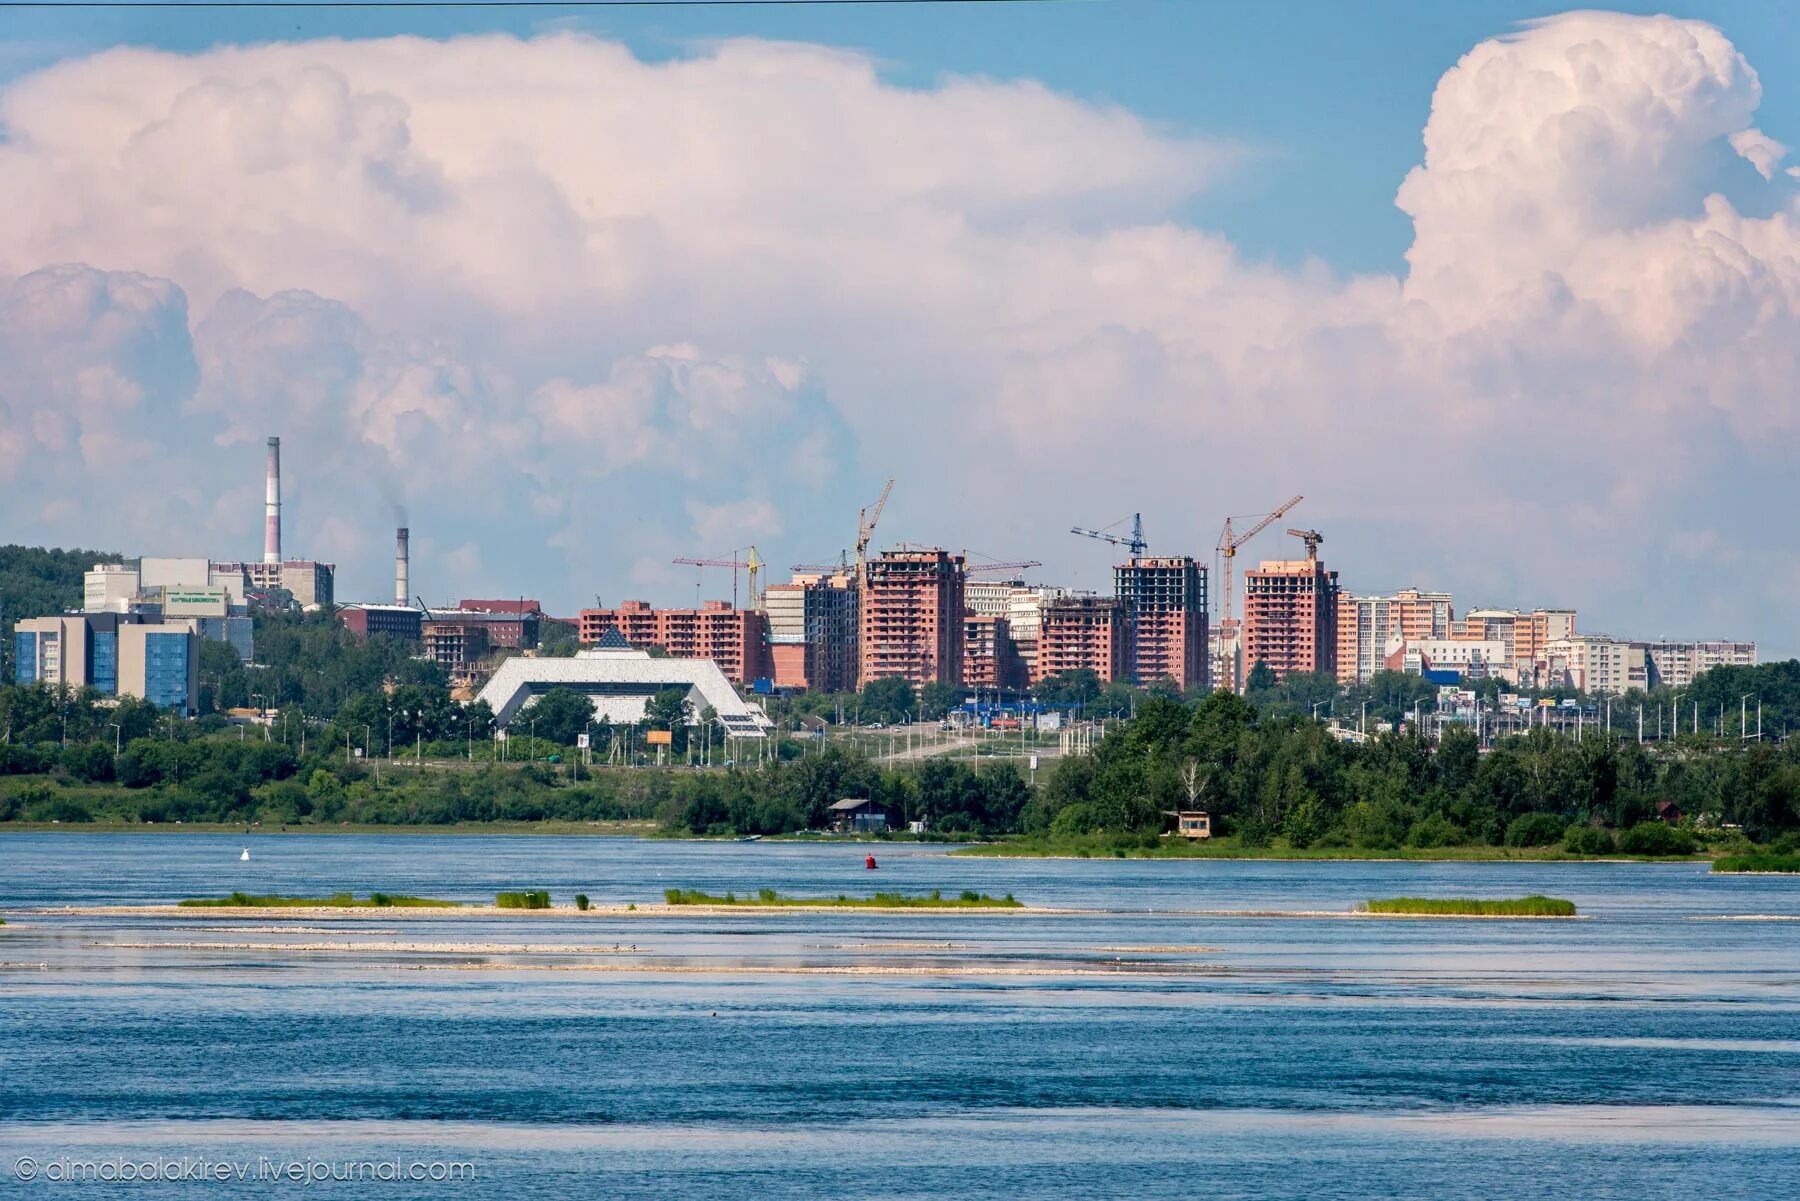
(272, 506)
(402, 566)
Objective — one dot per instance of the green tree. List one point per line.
(562, 714)
(889, 699)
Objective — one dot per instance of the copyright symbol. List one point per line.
(25, 1168)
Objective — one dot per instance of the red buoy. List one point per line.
(869, 863)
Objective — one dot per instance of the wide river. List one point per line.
(1166, 1044)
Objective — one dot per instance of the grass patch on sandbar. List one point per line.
(935, 899)
(1531, 906)
(1757, 863)
(339, 900)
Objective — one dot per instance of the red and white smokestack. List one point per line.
(272, 506)
(402, 566)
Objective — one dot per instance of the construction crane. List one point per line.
(1312, 538)
(753, 564)
(1228, 548)
(982, 568)
(1135, 542)
(865, 530)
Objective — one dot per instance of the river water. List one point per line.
(1649, 1050)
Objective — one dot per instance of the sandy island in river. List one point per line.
(751, 909)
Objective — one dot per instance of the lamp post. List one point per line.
(1744, 715)
(118, 736)
(1315, 709)
(1362, 722)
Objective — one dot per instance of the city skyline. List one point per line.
(1549, 361)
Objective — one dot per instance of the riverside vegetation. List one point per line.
(935, 899)
(1531, 906)
(1275, 781)
(341, 900)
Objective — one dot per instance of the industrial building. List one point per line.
(1290, 616)
(1164, 605)
(404, 622)
(912, 617)
(620, 682)
(114, 654)
(1081, 632)
(813, 631)
(190, 592)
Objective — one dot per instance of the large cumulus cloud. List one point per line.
(580, 312)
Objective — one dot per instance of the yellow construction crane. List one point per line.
(754, 563)
(1228, 548)
(1312, 538)
(865, 530)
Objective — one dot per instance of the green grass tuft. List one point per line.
(532, 899)
(1757, 863)
(1531, 906)
(340, 900)
(881, 900)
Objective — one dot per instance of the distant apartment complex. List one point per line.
(1290, 617)
(813, 632)
(1163, 601)
(1368, 625)
(911, 624)
(736, 639)
(1081, 633)
(990, 658)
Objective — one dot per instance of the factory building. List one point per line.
(812, 631)
(1080, 632)
(736, 639)
(912, 618)
(114, 654)
(1290, 617)
(1164, 605)
(392, 621)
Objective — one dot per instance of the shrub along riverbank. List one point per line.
(1758, 863)
(341, 900)
(1531, 906)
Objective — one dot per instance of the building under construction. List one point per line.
(1290, 616)
(1163, 601)
(1081, 632)
(990, 658)
(812, 631)
(736, 639)
(912, 618)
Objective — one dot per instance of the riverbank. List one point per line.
(1228, 848)
(544, 829)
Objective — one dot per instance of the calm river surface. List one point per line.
(1651, 1050)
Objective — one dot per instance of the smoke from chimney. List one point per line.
(272, 506)
(402, 566)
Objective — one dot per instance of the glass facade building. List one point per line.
(104, 663)
(166, 670)
(25, 658)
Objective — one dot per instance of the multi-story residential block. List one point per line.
(1021, 605)
(1290, 617)
(812, 631)
(990, 661)
(912, 617)
(1525, 634)
(1675, 664)
(1368, 627)
(1164, 605)
(1081, 632)
(1593, 663)
(736, 639)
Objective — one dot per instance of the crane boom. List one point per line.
(1021, 565)
(1133, 542)
(865, 530)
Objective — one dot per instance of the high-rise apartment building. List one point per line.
(1525, 634)
(736, 639)
(1369, 628)
(1081, 632)
(812, 632)
(1290, 617)
(1164, 606)
(990, 661)
(912, 618)
(1021, 604)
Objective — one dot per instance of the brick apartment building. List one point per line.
(1290, 617)
(812, 632)
(1164, 606)
(990, 659)
(736, 639)
(912, 618)
(1078, 632)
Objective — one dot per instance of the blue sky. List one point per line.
(1055, 263)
